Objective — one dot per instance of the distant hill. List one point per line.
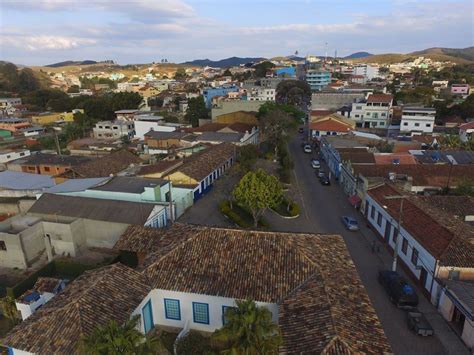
(455, 55)
(463, 53)
(75, 62)
(357, 55)
(223, 63)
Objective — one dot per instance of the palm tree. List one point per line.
(249, 330)
(451, 141)
(115, 339)
(9, 309)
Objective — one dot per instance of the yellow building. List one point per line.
(51, 117)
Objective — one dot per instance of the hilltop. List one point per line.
(223, 63)
(455, 55)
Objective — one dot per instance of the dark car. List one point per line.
(301, 130)
(401, 293)
(324, 180)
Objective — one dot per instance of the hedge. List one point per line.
(240, 216)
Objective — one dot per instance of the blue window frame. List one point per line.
(224, 310)
(147, 315)
(200, 313)
(172, 309)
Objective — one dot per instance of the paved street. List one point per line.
(322, 207)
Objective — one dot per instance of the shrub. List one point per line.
(232, 215)
(294, 209)
(193, 343)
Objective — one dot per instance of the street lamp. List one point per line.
(397, 241)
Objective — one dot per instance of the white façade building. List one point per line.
(417, 119)
(427, 248)
(192, 274)
(375, 112)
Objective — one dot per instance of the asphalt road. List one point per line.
(322, 208)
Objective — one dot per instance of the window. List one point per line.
(172, 310)
(379, 219)
(454, 274)
(417, 124)
(9, 156)
(200, 313)
(356, 116)
(381, 123)
(405, 246)
(22, 154)
(3, 246)
(372, 212)
(395, 234)
(428, 125)
(383, 114)
(414, 257)
(405, 123)
(46, 168)
(224, 311)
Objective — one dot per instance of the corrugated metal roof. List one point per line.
(14, 180)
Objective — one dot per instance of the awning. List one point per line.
(355, 200)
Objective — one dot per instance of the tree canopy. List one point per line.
(196, 110)
(293, 92)
(257, 191)
(13, 79)
(262, 68)
(248, 330)
(116, 339)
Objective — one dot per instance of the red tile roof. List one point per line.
(330, 125)
(321, 113)
(402, 159)
(431, 235)
(469, 125)
(384, 98)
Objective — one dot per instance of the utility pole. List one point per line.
(399, 222)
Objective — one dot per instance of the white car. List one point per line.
(315, 164)
(307, 148)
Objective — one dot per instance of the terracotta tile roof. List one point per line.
(321, 113)
(322, 302)
(46, 284)
(459, 206)
(162, 166)
(389, 158)
(466, 126)
(447, 242)
(105, 166)
(53, 159)
(216, 127)
(358, 157)
(93, 299)
(200, 165)
(330, 125)
(154, 241)
(422, 175)
(384, 98)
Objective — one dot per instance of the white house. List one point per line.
(417, 119)
(366, 70)
(114, 129)
(9, 155)
(439, 253)
(43, 291)
(456, 304)
(375, 112)
(146, 123)
(195, 274)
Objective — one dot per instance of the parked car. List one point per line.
(324, 180)
(401, 293)
(418, 323)
(350, 223)
(301, 130)
(307, 148)
(320, 173)
(315, 164)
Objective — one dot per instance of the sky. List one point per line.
(40, 32)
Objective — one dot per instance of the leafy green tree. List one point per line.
(196, 110)
(257, 191)
(9, 309)
(293, 92)
(262, 68)
(248, 155)
(275, 126)
(180, 74)
(249, 330)
(115, 339)
(227, 72)
(193, 343)
(451, 141)
(464, 188)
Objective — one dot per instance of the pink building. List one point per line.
(460, 89)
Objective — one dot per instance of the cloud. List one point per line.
(42, 42)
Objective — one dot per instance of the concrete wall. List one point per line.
(103, 234)
(186, 303)
(226, 107)
(183, 199)
(66, 238)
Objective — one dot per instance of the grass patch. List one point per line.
(287, 208)
(240, 216)
(5, 327)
